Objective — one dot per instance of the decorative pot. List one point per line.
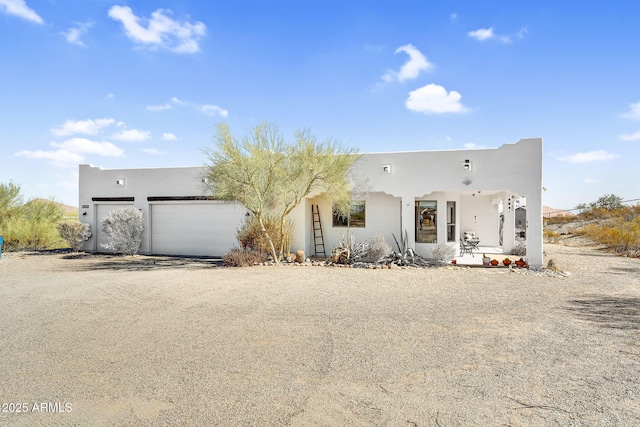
(521, 263)
(494, 262)
(506, 262)
(486, 261)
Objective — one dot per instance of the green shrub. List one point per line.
(243, 258)
(31, 226)
(74, 233)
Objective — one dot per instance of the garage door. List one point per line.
(102, 211)
(198, 228)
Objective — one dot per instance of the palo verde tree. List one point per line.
(271, 178)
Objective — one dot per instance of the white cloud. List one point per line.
(482, 34)
(411, 69)
(110, 96)
(20, 9)
(168, 136)
(160, 31)
(453, 17)
(132, 135)
(470, 145)
(177, 101)
(159, 107)
(434, 99)
(62, 158)
(634, 111)
(213, 110)
(591, 181)
(73, 34)
(633, 137)
(590, 156)
(85, 127)
(83, 145)
(153, 151)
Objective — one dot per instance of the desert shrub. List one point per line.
(520, 248)
(32, 226)
(237, 257)
(378, 247)
(551, 236)
(559, 219)
(443, 253)
(619, 235)
(348, 250)
(250, 235)
(123, 228)
(74, 233)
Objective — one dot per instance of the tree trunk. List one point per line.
(274, 255)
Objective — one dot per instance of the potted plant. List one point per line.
(521, 263)
(506, 262)
(485, 260)
(494, 262)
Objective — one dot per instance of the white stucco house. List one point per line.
(436, 196)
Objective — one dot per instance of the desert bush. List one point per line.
(559, 219)
(32, 226)
(123, 228)
(74, 233)
(520, 248)
(623, 237)
(551, 236)
(378, 247)
(348, 250)
(237, 257)
(443, 253)
(250, 235)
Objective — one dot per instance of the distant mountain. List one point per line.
(548, 212)
(69, 211)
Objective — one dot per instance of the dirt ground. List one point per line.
(101, 341)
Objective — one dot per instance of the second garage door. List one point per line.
(201, 228)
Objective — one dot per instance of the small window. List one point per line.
(355, 219)
(426, 221)
(451, 221)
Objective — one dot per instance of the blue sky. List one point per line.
(128, 84)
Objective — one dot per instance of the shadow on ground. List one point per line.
(93, 262)
(609, 312)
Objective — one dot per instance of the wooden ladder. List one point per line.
(318, 239)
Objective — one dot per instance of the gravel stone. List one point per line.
(106, 340)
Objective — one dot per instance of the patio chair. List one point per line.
(465, 248)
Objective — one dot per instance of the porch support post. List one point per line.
(509, 225)
(534, 230)
(408, 221)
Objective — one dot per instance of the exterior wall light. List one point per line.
(386, 168)
(467, 165)
(120, 182)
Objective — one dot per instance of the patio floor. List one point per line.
(494, 252)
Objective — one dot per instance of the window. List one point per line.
(355, 219)
(451, 221)
(426, 221)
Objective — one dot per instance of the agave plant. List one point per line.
(405, 256)
(348, 250)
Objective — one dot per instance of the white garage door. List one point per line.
(102, 211)
(198, 228)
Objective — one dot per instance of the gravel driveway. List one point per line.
(96, 340)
